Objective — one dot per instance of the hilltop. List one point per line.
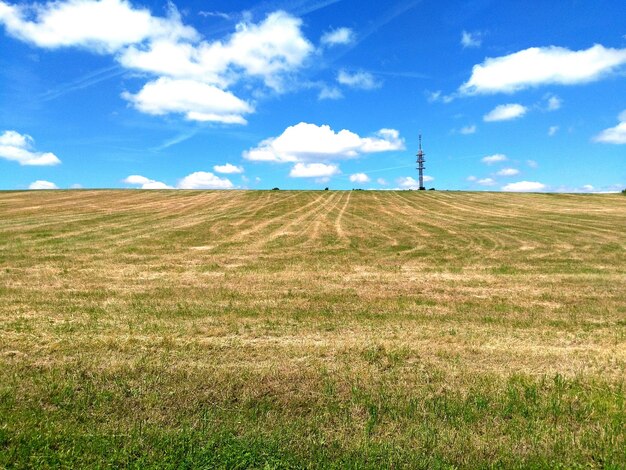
(312, 328)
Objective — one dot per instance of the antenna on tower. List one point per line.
(420, 164)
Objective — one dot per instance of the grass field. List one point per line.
(323, 329)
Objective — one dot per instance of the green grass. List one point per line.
(242, 329)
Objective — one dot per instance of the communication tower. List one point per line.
(420, 164)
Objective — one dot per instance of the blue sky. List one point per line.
(512, 96)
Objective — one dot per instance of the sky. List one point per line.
(308, 94)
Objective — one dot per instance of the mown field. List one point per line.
(237, 329)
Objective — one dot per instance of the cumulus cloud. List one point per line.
(614, 135)
(408, 182)
(197, 180)
(359, 178)
(337, 36)
(190, 75)
(538, 66)
(267, 50)
(471, 39)
(362, 80)
(145, 183)
(196, 100)
(228, 169)
(313, 170)
(306, 142)
(42, 184)
(522, 186)
(508, 172)
(104, 26)
(505, 112)
(204, 180)
(18, 147)
(496, 158)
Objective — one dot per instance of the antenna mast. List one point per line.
(420, 164)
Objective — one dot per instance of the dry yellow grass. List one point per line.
(331, 323)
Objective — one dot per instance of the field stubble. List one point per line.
(320, 329)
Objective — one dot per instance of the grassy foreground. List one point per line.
(242, 329)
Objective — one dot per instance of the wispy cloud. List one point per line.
(215, 14)
(83, 82)
(471, 39)
(182, 137)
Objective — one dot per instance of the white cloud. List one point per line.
(408, 182)
(552, 130)
(337, 36)
(42, 184)
(215, 14)
(18, 147)
(382, 181)
(521, 186)
(532, 163)
(329, 93)
(554, 103)
(614, 135)
(538, 66)
(145, 183)
(508, 172)
(471, 39)
(204, 180)
(197, 101)
(436, 96)
(76, 186)
(491, 159)
(313, 170)
(267, 51)
(228, 169)
(359, 178)
(505, 112)
(197, 180)
(190, 74)
(362, 80)
(471, 178)
(467, 130)
(588, 187)
(104, 26)
(433, 96)
(308, 142)
(486, 182)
